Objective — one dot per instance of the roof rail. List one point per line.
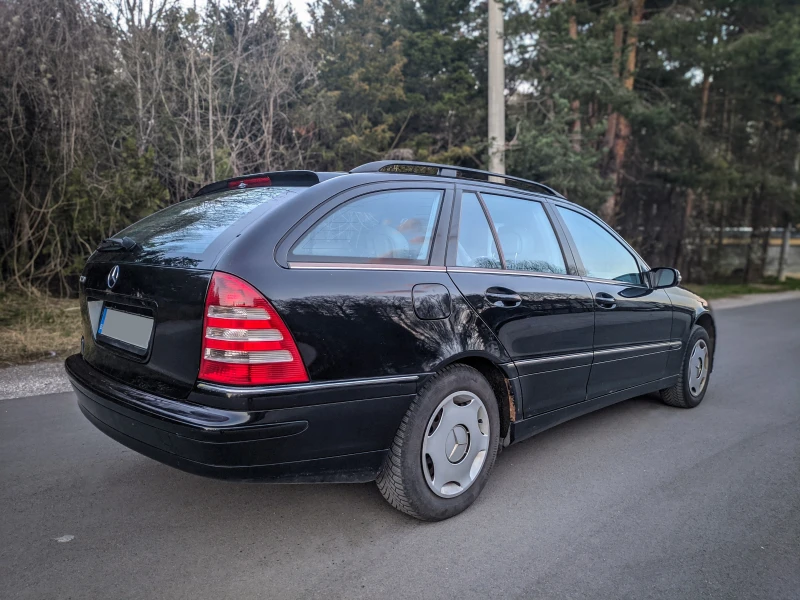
(424, 168)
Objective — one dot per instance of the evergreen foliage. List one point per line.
(673, 119)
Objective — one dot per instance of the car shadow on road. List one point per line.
(352, 512)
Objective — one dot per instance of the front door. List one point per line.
(632, 321)
(506, 260)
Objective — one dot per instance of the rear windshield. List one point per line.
(188, 229)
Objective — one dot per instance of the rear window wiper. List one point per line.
(111, 244)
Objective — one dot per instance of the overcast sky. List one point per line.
(300, 7)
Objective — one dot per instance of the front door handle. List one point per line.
(503, 297)
(604, 300)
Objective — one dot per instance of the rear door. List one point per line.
(632, 321)
(505, 257)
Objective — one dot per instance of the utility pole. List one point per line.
(497, 106)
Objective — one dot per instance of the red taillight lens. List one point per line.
(245, 342)
(250, 182)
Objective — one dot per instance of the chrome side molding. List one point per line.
(324, 266)
(656, 346)
(559, 357)
(649, 348)
(229, 390)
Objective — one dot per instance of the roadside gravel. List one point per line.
(33, 379)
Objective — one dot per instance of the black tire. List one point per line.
(680, 395)
(402, 480)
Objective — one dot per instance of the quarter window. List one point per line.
(526, 235)
(602, 255)
(391, 226)
(476, 247)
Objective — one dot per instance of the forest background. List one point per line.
(676, 120)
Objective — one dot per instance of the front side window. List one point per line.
(602, 255)
(526, 235)
(394, 226)
(476, 247)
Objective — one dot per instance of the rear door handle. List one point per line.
(503, 297)
(604, 300)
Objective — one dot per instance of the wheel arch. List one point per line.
(508, 398)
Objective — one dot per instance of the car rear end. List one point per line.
(160, 321)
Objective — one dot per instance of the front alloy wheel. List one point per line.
(698, 368)
(692, 382)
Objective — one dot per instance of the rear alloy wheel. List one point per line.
(445, 447)
(692, 383)
(455, 444)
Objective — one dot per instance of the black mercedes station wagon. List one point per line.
(401, 323)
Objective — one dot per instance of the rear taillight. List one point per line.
(245, 342)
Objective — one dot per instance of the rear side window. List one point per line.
(394, 226)
(476, 247)
(526, 235)
(602, 255)
(190, 227)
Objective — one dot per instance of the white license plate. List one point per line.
(126, 327)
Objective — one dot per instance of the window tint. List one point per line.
(476, 247)
(602, 255)
(395, 226)
(526, 235)
(191, 226)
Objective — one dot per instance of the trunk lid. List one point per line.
(143, 304)
(173, 298)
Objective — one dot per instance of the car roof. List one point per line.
(415, 169)
(408, 167)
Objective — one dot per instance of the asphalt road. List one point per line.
(635, 501)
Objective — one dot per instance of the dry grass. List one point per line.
(36, 327)
(712, 291)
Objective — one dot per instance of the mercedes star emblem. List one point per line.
(113, 276)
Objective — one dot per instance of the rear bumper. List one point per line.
(343, 441)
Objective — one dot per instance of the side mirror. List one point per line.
(664, 277)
